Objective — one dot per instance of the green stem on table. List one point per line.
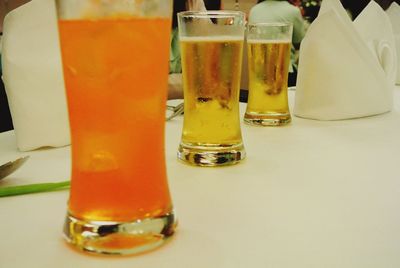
(33, 188)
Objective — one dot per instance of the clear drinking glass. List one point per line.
(268, 50)
(115, 61)
(211, 47)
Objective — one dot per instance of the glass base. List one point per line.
(119, 238)
(211, 156)
(273, 119)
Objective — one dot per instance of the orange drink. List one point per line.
(115, 72)
(116, 113)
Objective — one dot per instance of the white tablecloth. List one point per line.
(311, 194)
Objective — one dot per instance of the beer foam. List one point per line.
(266, 41)
(219, 38)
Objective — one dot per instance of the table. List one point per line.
(311, 194)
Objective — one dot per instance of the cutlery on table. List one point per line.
(176, 110)
(11, 166)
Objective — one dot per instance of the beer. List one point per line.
(211, 67)
(211, 50)
(268, 63)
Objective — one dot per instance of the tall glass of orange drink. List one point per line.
(211, 47)
(115, 61)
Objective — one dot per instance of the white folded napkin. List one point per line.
(374, 26)
(346, 69)
(32, 76)
(393, 13)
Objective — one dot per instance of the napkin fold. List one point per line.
(346, 68)
(393, 13)
(375, 29)
(32, 76)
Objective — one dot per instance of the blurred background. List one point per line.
(308, 8)
(5, 117)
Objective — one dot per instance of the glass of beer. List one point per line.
(268, 51)
(115, 62)
(211, 48)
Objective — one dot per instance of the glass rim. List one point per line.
(272, 24)
(211, 14)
